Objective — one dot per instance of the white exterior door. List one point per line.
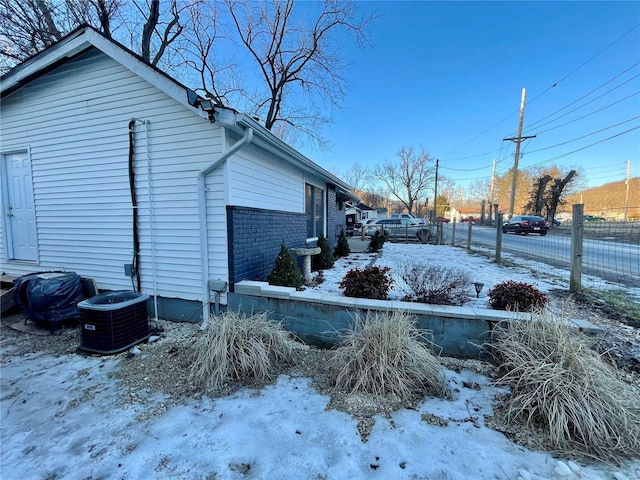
(19, 208)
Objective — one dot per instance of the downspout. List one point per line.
(202, 205)
(152, 232)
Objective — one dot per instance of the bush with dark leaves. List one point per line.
(370, 282)
(516, 296)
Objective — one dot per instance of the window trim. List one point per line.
(309, 200)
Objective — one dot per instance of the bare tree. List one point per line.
(358, 177)
(29, 26)
(409, 178)
(480, 189)
(295, 82)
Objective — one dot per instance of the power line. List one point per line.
(582, 148)
(589, 114)
(590, 101)
(584, 136)
(585, 95)
(589, 60)
(544, 92)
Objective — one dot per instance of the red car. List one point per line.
(466, 219)
(442, 219)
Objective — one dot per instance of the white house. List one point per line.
(114, 170)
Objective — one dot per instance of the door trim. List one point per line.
(7, 245)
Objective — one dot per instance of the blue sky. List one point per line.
(448, 76)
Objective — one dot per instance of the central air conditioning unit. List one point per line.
(114, 321)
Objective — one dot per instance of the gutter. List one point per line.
(202, 211)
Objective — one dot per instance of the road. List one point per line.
(610, 260)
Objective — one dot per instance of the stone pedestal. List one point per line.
(306, 265)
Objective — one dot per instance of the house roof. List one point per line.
(362, 206)
(86, 37)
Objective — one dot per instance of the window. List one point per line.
(314, 207)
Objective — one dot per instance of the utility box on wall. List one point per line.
(114, 321)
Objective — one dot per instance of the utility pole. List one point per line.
(493, 181)
(626, 197)
(518, 140)
(435, 200)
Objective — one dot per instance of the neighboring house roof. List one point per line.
(87, 37)
(362, 206)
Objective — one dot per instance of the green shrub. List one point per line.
(386, 354)
(562, 388)
(285, 273)
(239, 347)
(325, 259)
(342, 248)
(370, 282)
(377, 241)
(518, 296)
(435, 284)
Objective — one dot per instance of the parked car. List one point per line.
(408, 216)
(442, 219)
(400, 228)
(592, 218)
(526, 224)
(467, 219)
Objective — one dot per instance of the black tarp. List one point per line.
(48, 298)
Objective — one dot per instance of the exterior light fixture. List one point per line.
(478, 286)
(207, 105)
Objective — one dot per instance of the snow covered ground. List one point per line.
(62, 417)
(480, 267)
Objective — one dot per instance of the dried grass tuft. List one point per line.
(239, 347)
(385, 354)
(560, 385)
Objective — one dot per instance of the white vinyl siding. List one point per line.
(259, 180)
(75, 122)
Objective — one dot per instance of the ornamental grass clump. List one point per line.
(385, 353)
(239, 347)
(565, 389)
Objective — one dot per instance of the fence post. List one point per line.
(577, 232)
(469, 235)
(453, 233)
(498, 237)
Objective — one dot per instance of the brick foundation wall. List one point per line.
(333, 225)
(255, 237)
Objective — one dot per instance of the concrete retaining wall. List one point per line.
(318, 318)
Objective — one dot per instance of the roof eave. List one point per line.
(296, 157)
